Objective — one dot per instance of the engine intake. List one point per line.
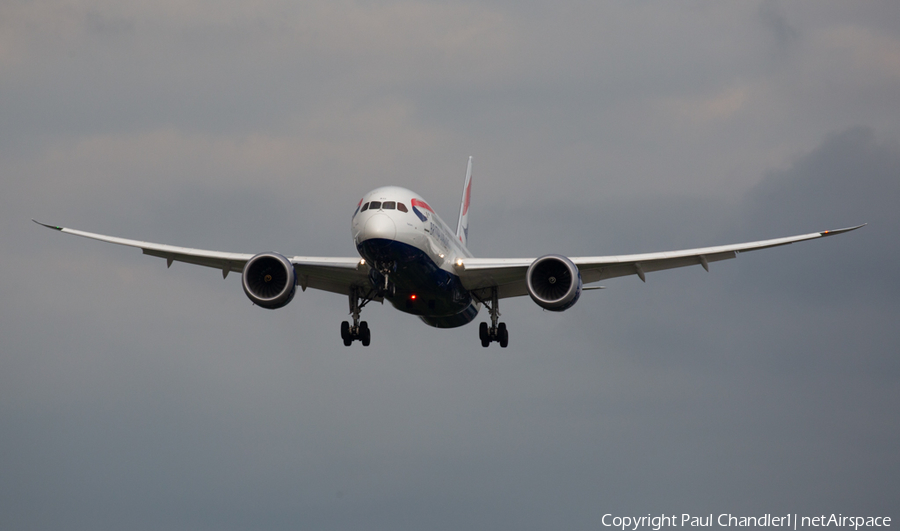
(554, 282)
(269, 280)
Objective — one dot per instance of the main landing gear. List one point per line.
(359, 329)
(497, 331)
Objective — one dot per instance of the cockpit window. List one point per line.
(375, 205)
(401, 207)
(388, 205)
(364, 208)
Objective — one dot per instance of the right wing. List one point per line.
(508, 274)
(337, 275)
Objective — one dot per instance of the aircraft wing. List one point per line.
(508, 274)
(337, 275)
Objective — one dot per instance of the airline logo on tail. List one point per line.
(468, 197)
(462, 228)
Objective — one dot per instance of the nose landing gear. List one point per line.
(386, 268)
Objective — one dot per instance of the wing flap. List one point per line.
(215, 259)
(230, 263)
(508, 274)
(592, 272)
(334, 274)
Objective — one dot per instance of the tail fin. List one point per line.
(462, 228)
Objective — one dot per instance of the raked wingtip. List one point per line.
(54, 227)
(841, 231)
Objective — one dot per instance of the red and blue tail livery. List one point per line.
(462, 226)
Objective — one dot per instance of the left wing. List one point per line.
(337, 275)
(508, 274)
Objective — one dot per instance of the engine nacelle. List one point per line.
(269, 280)
(554, 282)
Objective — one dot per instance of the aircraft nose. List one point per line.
(379, 226)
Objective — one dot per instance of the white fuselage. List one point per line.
(412, 253)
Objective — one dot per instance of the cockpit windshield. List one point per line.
(384, 205)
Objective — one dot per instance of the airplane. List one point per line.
(411, 258)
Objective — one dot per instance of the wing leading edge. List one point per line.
(337, 275)
(508, 274)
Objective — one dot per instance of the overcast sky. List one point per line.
(136, 397)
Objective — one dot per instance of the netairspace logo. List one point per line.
(633, 523)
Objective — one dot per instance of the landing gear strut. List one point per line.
(497, 331)
(359, 329)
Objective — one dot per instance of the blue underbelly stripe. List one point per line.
(420, 287)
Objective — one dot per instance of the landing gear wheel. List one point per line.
(502, 335)
(487, 335)
(365, 336)
(345, 332)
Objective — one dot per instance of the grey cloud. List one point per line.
(851, 178)
(137, 396)
(774, 19)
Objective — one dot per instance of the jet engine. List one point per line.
(269, 280)
(554, 282)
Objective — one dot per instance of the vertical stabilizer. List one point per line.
(462, 228)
